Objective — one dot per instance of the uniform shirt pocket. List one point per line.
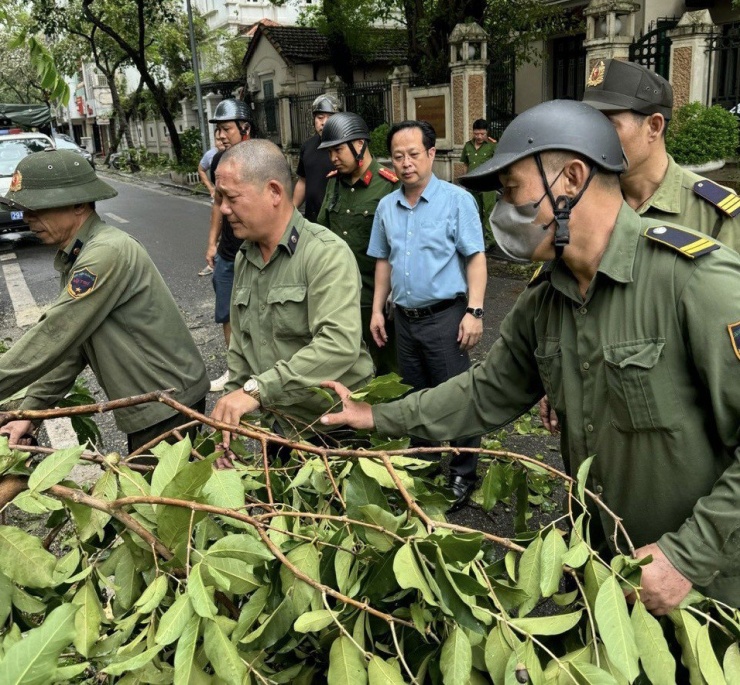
(641, 392)
(549, 359)
(240, 299)
(288, 311)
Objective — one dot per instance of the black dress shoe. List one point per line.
(462, 488)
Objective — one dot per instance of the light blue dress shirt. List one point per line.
(427, 245)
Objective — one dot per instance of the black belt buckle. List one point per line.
(413, 313)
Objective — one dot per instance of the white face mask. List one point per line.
(515, 231)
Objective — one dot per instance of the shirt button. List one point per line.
(586, 366)
(344, 232)
(262, 307)
(407, 273)
(599, 489)
(590, 428)
(583, 310)
(348, 211)
(264, 342)
(408, 253)
(351, 190)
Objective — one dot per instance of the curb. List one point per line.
(165, 184)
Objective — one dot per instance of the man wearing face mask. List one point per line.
(632, 328)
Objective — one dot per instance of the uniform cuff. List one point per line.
(690, 556)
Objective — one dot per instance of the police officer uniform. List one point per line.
(348, 211)
(473, 157)
(114, 311)
(683, 197)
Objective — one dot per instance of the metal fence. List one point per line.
(500, 96)
(371, 100)
(267, 118)
(653, 50)
(301, 117)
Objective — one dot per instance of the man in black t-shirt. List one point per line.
(233, 125)
(314, 164)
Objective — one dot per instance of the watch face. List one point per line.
(250, 385)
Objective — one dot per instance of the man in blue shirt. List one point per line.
(428, 242)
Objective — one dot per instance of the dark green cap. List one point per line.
(57, 178)
(617, 86)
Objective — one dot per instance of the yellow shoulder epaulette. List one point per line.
(722, 198)
(331, 174)
(687, 243)
(540, 273)
(388, 175)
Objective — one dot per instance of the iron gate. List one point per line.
(653, 50)
(301, 117)
(726, 45)
(500, 95)
(369, 99)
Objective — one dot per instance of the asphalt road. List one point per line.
(173, 228)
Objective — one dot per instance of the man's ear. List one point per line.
(656, 125)
(575, 174)
(276, 190)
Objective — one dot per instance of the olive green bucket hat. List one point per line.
(57, 178)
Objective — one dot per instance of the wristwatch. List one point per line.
(253, 390)
(477, 312)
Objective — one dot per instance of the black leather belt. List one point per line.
(424, 312)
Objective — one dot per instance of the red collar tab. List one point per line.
(367, 177)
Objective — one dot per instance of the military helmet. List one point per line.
(343, 128)
(57, 178)
(231, 110)
(325, 104)
(555, 125)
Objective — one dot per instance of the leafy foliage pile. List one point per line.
(336, 566)
(698, 134)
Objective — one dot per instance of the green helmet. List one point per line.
(57, 178)
(555, 125)
(344, 127)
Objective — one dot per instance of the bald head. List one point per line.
(258, 162)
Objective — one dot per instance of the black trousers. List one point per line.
(145, 435)
(429, 354)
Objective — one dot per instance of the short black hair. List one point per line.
(479, 124)
(428, 134)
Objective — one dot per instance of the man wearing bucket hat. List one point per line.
(114, 311)
(632, 328)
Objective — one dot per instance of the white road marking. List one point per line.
(7, 257)
(27, 313)
(117, 218)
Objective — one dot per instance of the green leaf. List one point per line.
(497, 484)
(379, 473)
(588, 674)
(314, 621)
(305, 558)
(200, 597)
(33, 660)
(68, 674)
(174, 620)
(577, 555)
(548, 625)
(222, 654)
(243, 547)
(6, 597)
(24, 559)
(274, 627)
(133, 484)
(186, 667)
(133, 662)
(190, 479)
(36, 503)
(383, 672)
(87, 619)
(346, 665)
(530, 566)
(687, 633)
(127, 579)
(172, 458)
(456, 660)
(105, 488)
(655, 655)
(237, 575)
(553, 550)
(582, 478)
(731, 664)
(250, 613)
(224, 489)
(324, 394)
(67, 565)
(458, 604)
(343, 561)
(710, 668)
(152, 597)
(616, 629)
(499, 647)
(54, 468)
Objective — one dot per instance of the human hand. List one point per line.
(469, 332)
(18, 432)
(355, 414)
(377, 329)
(548, 416)
(230, 409)
(663, 586)
(226, 460)
(211, 255)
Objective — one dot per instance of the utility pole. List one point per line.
(201, 117)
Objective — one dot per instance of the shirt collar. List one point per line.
(427, 194)
(667, 198)
(364, 180)
(68, 255)
(288, 242)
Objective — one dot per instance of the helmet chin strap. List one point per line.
(358, 155)
(562, 206)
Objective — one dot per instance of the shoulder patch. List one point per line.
(388, 175)
(688, 244)
(540, 273)
(722, 198)
(293, 240)
(332, 174)
(82, 282)
(734, 330)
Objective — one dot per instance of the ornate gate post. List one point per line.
(690, 58)
(610, 29)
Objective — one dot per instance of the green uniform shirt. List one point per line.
(643, 374)
(348, 210)
(676, 202)
(116, 314)
(295, 322)
(474, 158)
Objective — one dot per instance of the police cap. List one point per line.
(231, 110)
(342, 128)
(555, 125)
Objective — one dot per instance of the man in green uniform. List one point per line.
(295, 307)
(355, 187)
(475, 152)
(633, 330)
(114, 311)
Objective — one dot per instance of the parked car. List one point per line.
(64, 142)
(13, 148)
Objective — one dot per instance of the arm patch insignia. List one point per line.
(82, 282)
(722, 198)
(688, 244)
(388, 175)
(734, 330)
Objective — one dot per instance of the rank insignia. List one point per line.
(16, 182)
(388, 175)
(596, 77)
(81, 283)
(293, 240)
(734, 330)
(687, 243)
(722, 198)
(367, 177)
